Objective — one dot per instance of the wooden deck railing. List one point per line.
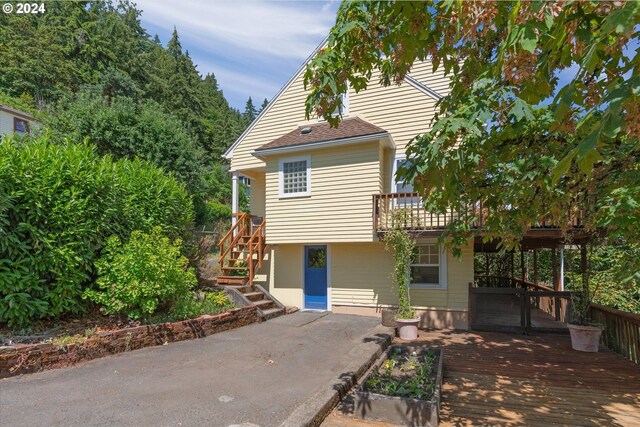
(622, 330)
(417, 218)
(256, 246)
(555, 303)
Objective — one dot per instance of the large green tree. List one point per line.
(49, 56)
(542, 119)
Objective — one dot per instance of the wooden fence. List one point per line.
(622, 330)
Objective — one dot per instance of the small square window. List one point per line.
(295, 177)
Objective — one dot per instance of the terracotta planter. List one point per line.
(408, 328)
(585, 338)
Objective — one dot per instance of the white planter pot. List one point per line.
(408, 328)
(585, 338)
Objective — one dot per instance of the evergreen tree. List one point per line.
(250, 111)
(264, 104)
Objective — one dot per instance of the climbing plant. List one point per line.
(398, 242)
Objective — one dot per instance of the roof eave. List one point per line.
(385, 136)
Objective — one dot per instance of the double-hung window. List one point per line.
(429, 266)
(295, 176)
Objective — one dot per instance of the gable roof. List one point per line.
(410, 80)
(228, 154)
(310, 135)
(15, 112)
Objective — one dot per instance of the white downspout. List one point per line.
(234, 197)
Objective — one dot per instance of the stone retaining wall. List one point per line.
(21, 359)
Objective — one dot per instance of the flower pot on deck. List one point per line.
(585, 338)
(408, 328)
(389, 316)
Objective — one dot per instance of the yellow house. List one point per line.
(15, 121)
(321, 198)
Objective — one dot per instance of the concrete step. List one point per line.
(263, 304)
(270, 313)
(253, 296)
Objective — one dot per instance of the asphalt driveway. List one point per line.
(258, 375)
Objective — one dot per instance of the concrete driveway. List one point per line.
(259, 375)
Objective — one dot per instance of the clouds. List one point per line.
(252, 47)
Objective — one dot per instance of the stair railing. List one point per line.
(233, 235)
(256, 245)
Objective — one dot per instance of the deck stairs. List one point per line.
(242, 251)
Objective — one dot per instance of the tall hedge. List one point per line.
(58, 204)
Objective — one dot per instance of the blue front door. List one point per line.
(315, 277)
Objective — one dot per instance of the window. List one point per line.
(295, 177)
(20, 126)
(429, 267)
(343, 110)
(400, 186)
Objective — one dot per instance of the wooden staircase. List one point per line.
(242, 251)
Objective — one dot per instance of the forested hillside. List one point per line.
(89, 69)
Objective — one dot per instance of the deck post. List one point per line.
(562, 268)
(535, 266)
(523, 270)
(584, 270)
(513, 270)
(554, 266)
(487, 262)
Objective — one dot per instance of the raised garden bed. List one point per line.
(403, 387)
(24, 358)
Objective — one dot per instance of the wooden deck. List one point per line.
(496, 379)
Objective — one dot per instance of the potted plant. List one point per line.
(398, 241)
(585, 335)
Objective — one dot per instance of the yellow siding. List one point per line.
(257, 195)
(339, 209)
(423, 72)
(281, 274)
(283, 116)
(361, 276)
(403, 111)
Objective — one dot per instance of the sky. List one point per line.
(253, 47)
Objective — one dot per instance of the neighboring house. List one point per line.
(15, 121)
(319, 191)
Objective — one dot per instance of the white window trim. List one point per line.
(281, 163)
(345, 103)
(345, 107)
(394, 170)
(442, 268)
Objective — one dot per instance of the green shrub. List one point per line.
(216, 211)
(138, 277)
(58, 204)
(190, 307)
